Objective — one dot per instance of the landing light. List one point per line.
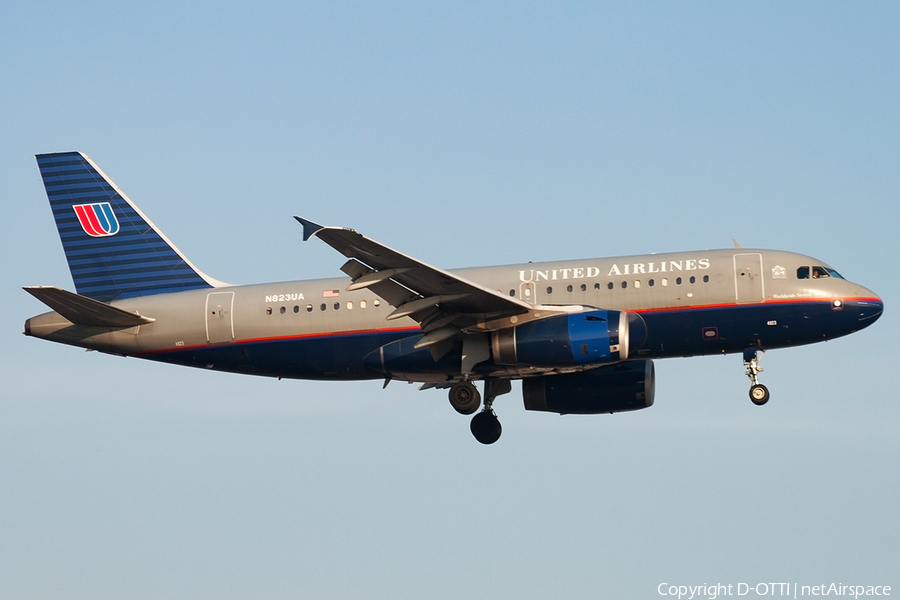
(837, 304)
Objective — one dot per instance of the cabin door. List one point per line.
(748, 279)
(219, 322)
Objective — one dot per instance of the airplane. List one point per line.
(581, 335)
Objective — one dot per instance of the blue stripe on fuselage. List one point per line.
(670, 333)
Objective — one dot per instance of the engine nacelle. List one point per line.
(592, 337)
(613, 388)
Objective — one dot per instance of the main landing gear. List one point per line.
(464, 397)
(486, 427)
(759, 394)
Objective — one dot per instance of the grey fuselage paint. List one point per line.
(693, 303)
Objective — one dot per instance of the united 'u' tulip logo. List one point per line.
(97, 219)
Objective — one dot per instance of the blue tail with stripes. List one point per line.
(113, 250)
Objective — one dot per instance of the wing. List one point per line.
(444, 304)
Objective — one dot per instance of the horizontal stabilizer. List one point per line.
(82, 310)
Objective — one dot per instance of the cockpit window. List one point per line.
(818, 272)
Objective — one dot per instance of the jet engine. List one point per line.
(596, 336)
(612, 388)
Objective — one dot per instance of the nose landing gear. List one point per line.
(759, 394)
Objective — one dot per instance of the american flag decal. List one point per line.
(331, 293)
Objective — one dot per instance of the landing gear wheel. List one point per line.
(485, 427)
(759, 394)
(464, 398)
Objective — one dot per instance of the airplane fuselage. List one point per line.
(693, 303)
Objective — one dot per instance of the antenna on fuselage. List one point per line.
(737, 244)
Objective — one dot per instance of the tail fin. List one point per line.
(113, 250)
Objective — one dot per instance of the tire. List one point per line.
(464, 398)
(486, 427)
(759, 394)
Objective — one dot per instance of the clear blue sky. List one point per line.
(463, 134)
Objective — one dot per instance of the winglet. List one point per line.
(309, 228)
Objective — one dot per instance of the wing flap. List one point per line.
(421, 304)
(374, 277)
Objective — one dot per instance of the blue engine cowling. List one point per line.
(614, 388)
(592, 337)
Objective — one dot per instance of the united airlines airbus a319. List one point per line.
(580, 334)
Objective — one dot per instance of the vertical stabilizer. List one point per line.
(113, 250)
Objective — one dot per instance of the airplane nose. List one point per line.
(868, 305)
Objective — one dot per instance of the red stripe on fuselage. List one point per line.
(764, 303)
(327, 334)
(282, 338)
(323, 334)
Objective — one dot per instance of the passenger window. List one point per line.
(706, 279)
(282, 310)
(651, 283)
(549, 290)
(362, 303)
(678, 281)
(609, 285)
(322, 306)
(583, 288)
(665, 282)
(337, 305)
(596, 286)
(803, 273)
(268, 310)
(376, 302)
(349, 306)
(309, 308)
(296, 308)
(569, 289)
(624, 284)
(637, 283)
(693, 279)
(512, 293)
